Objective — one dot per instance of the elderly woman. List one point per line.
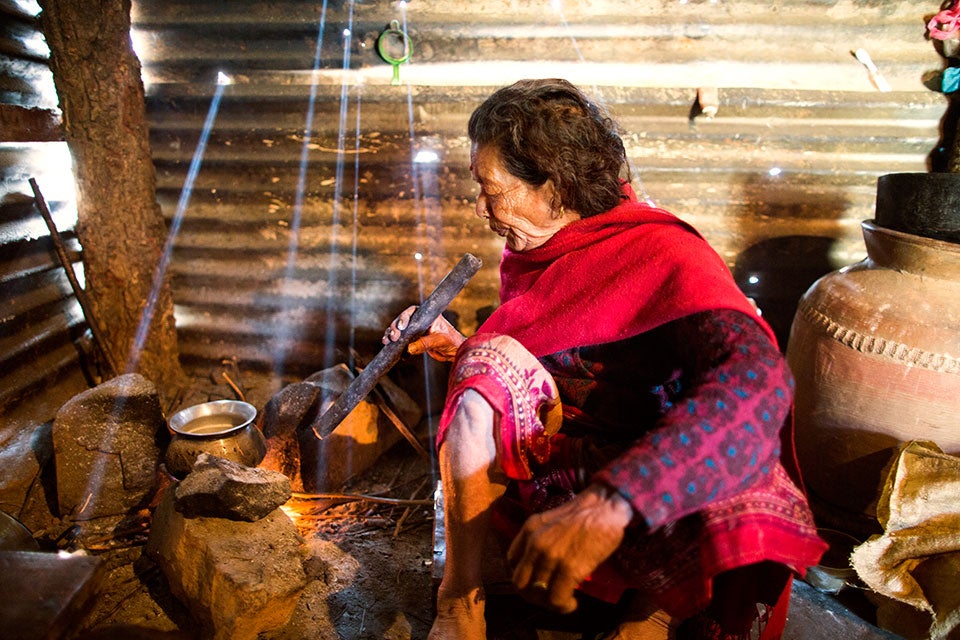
(620, 417)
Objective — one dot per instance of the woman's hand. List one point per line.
(555, 550)
(440, 342)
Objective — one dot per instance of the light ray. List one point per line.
(334, 270)
(150, 306)
(432, 226)
(146, 317)
(284, 331)
(356, 215)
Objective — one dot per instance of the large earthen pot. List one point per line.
(875, 350)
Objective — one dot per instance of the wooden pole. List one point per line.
(78, 291)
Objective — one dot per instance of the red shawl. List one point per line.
(610, 277)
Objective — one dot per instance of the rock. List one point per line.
(221, 488)
(287, 421)
(280, 420)
(328, 562)
(26, 458)
(107, 443)
(315, 465)
(236, 578)
(355, 444)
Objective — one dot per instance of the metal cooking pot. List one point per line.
(14, 536)
(222, 428)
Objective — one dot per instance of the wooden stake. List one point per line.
(95, 329)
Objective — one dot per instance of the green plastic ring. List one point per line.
(394, 31)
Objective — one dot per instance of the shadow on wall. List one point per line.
(775, 272)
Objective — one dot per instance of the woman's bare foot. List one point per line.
(644, 621)
(459, 618)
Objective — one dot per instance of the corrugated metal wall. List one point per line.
(778, 181)
(307, 210)
(41, 325)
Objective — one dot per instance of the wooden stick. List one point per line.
(380, 399)
(383, 403)
(408, 510)
(358, 497)
(390, 354)
(236, 389)
(78, 291)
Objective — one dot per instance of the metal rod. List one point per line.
(78, 291)
(356, 497)
(390, 354)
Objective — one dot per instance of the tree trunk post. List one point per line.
(120, 224)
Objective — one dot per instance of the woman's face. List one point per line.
(514, 209)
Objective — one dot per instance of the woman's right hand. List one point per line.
(440, 342)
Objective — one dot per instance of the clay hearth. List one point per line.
(316, 465)
(227, 549)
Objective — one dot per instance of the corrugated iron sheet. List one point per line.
(321, 160)
(308, 213)
(41, 326)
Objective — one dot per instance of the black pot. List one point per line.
(922, 204)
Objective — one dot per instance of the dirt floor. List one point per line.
(371, 569)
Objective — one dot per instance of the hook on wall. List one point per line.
(394, 47)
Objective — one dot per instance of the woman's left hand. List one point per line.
(440, 341)
(555, 550)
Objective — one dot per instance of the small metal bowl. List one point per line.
(834, 573)
(14, 536)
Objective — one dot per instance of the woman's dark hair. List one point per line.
(548, 129)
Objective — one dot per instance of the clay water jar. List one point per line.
(223, 428)
(875, 351)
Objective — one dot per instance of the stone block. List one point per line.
(107, 443)
(236, 578)
(315, 465)
(220, 488)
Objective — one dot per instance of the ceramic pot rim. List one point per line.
(911, 253)
(925, 241)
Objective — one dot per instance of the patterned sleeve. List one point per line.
(721, 434)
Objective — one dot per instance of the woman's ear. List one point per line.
(552, 195)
